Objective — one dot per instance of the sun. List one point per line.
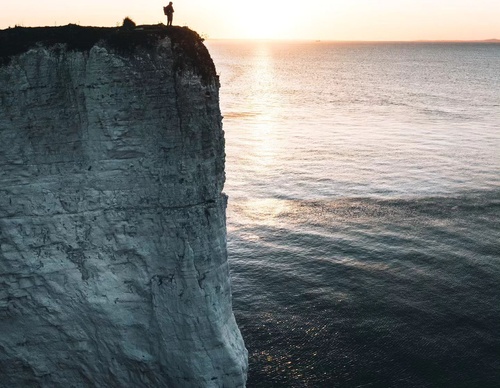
(266, 19)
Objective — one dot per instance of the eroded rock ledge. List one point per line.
(113, 262)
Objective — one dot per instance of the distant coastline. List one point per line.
(460, 41)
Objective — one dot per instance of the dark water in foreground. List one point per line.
(368, 292)
(364, 213)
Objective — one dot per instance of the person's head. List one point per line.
(170, 3)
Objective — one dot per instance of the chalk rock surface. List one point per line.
(113, 261)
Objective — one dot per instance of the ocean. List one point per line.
(364, 211)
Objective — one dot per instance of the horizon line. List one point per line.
(492, 40)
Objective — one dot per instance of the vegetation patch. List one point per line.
(190, 53)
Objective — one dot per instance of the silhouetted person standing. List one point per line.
(169, 11)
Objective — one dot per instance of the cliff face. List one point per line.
(113, 262)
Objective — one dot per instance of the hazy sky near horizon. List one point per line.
(279, 19)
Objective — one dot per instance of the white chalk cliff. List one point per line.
(113, 261)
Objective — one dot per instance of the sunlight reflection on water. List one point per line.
(356, 120)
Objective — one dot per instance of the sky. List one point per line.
(367, 20)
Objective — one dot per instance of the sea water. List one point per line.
(364, 211)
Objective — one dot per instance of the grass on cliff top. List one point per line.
(124, 40)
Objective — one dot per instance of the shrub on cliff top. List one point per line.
(128, 24)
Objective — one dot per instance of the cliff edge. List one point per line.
(113, 261)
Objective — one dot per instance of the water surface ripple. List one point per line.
(364, 211)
